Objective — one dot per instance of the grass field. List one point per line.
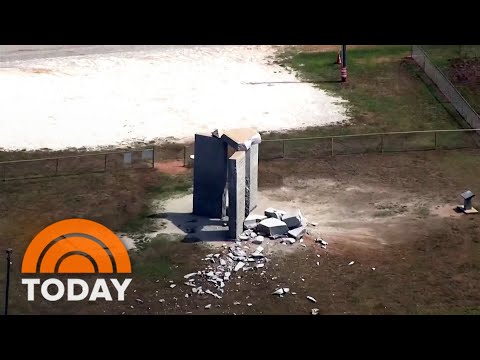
(383, 90)
(386, 93)
(461, 64)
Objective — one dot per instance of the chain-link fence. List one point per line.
(318, 147)
(76, 164)
(446, 87)
(440, 53)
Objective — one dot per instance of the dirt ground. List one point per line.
(465, 71)
(391, 212)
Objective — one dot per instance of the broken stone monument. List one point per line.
(218, 176)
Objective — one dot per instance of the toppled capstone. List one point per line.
(297, 233)
(241, 139)
(293, 220)
(272, 227)
(273, 213)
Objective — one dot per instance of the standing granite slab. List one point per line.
(251, 179)
(209, 176)
(236, 194)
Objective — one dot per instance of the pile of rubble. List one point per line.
(277, 225)
(224, 267)
(235, 259)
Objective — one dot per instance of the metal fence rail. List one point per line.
(446, 87)
(293, 148)
(399, 141)
(76, 164)
(327, 146)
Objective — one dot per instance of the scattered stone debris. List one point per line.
(373, 269)
(161, 300)
(281, 291)
(239, 266)
(313, 224)
(241, 257)
(208, 306)
(140, 301)
(315, 311)
(318, 263)
(259, 239)
(252, 221)
(311, 299)
(236, 303)
(213, 294)
(294, 293)
(351, 263)
(258, 252)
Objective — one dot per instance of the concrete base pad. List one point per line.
(469, 211)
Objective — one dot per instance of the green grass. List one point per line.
(171, 185)
(384, 91)
(168, 186)
(155, 260)
(443, 55)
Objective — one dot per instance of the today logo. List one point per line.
(76, 246)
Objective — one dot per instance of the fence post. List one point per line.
(105, 168)
(56, 167)
(153, 157)
(184, 155)
(332, 146)
(283, 149)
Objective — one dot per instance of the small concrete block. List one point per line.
(272, 227)
(297, 233)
